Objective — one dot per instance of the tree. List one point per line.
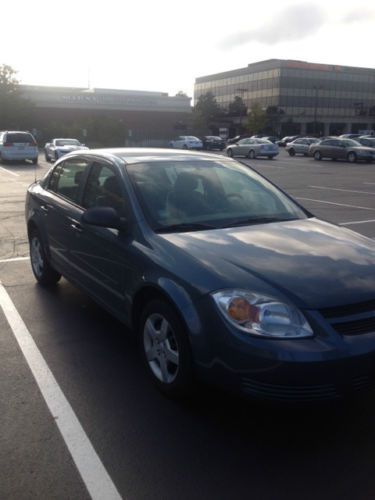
(181, 93)
(274, 116)
(15, 111)
(256, 118)
(237, 107)
(206, 112)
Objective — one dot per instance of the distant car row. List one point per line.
(208, 142)
(59, 147)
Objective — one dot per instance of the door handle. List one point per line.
(77, 227)
(44, 208)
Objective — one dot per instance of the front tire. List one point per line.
(291, 152)
(42, 270)
(251, 154)
(165, 349)
(352, 157)
(230, 153)
(317, 156)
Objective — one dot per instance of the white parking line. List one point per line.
(14, 259)
(332, 203)
(356, 222)
(91, 469)
(339, 189)
(9, 171)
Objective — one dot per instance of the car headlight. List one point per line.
(260, 315)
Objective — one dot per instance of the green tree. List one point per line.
(15, 111)
(274, 116)
(256, 119)
(237, 107)
(206, 112)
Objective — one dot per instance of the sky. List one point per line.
(164, 45)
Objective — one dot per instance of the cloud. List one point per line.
(358, 15)
(292, 24)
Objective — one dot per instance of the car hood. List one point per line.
(70, 148)
(311, 262)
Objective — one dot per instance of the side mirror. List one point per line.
(103, 217)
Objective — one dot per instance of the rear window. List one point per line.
(19, 137)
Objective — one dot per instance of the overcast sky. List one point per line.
(164, 45)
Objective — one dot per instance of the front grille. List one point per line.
(351, 319)
(288, 392)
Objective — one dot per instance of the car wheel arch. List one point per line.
(170, 292)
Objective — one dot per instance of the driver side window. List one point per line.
(103, 189)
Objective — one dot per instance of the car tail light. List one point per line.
(8, 144)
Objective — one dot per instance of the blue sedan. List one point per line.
(220, 274)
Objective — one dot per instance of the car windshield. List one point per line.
(207, 194)
(67, 142)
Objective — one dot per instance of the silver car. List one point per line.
(252, 148)
(59, 147)
(300, 145)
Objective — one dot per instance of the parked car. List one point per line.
(252, 148)
(344, 149)
(271, 138)
(289, 138)
(300, 145)
(17, 145)
(211, 142)
(237, 138)
(367, 141)
(186, 142)
(59, 147)
(221, 275)
(349, 136)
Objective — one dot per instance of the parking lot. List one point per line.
(126, 439)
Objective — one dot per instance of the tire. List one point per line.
(270, 157)
(165, 349)
(34, 161)
(291, 152)
(251, 154)
(230, 152)
(185, 146)
(46, 157)
(42, 270)
(352, 157)
(317, 156)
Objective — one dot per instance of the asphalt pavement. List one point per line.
(214, 445)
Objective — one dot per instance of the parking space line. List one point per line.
(344, 190)
(332, 203)
(9, 171)
(89, 465)
(356, 222)
(14, 259)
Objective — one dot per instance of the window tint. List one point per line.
(103, 189)
(67, 178)
(20, 138)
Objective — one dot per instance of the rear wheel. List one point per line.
(352, 157)
(317, 155)
(291, 152)
(230, 152)
(165, 348)
(42, 270)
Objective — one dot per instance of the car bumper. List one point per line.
(18, 155)
(311, 369)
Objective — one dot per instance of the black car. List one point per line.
(219, 274)
(237, 138)
(289, 138)
(211, 142)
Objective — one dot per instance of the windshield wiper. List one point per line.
(255, 220)
(184, 227)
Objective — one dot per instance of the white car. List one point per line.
(59, 147)
(300, 145)
(18, 146)
(253, 148)
(186, 142)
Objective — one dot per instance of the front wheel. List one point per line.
(291, 152)
(230, 152)
(251, 154)
(352, 157)
(165, 348)
(42, 270)
(317, 155)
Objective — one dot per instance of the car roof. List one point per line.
(140, 155)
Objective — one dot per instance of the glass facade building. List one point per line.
(307, 97)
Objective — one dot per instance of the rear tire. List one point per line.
(165, 349)
(291, 152)
(230, 152)
(42, 270)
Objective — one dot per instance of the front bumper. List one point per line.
(325, 367)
